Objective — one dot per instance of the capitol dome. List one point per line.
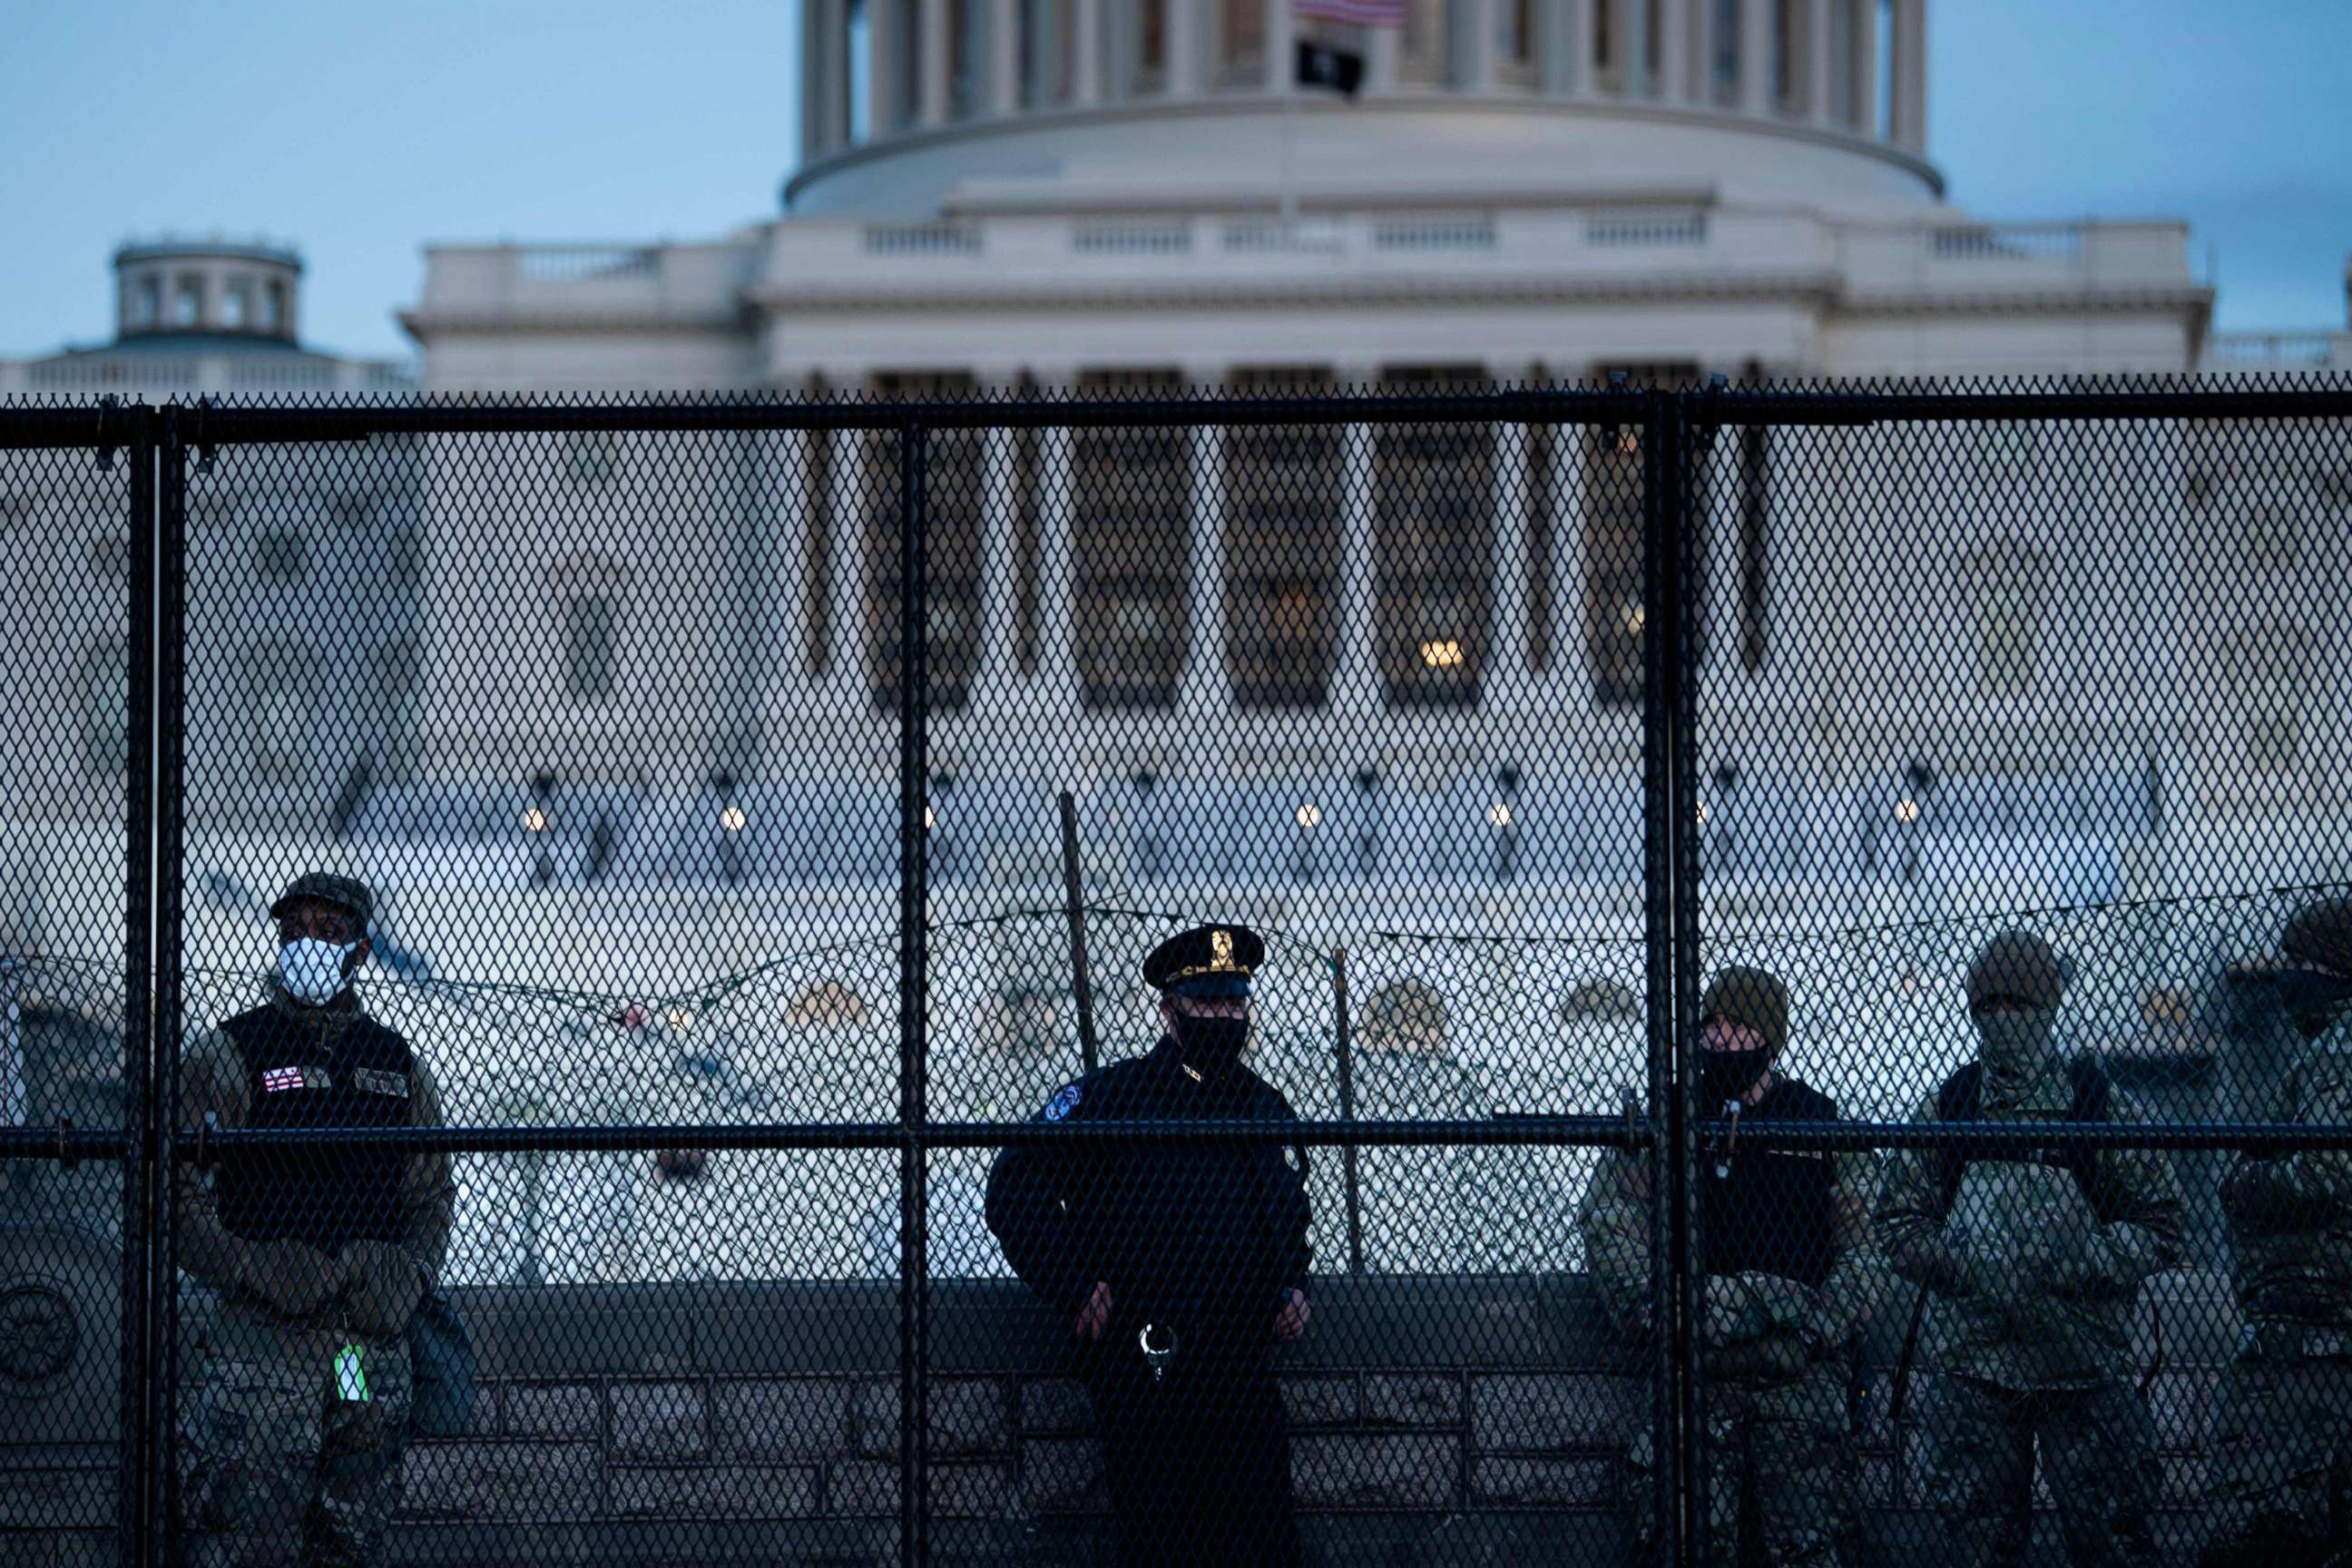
(915, 107)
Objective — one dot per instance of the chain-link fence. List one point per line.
(1798, 1019)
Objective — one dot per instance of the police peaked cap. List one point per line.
(1753, 998)
(2017, 966)
(343, 892)
(1207, 960)
(2319, 936)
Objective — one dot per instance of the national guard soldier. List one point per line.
(1790, 1281)
(1181, 1265)
(292, 1425)
(2281, 1472)
(2032, 1261)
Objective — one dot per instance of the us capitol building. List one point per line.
(1318, 677)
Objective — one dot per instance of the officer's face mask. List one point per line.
(1211, 1043)
(1729, 1075)
(2014, 1046)
(311, 972)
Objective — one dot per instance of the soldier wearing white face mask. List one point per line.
(291, 1429)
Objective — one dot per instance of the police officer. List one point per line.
(2032, 1262)
(291, 1428)
(1180, 1265)
(2281, 1471)
(1790, 1281)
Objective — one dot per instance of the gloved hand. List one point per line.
(291, 1278)
(385, 1285)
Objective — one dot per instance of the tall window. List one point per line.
(1240, 42)
(1842, 62)
(906, 40)
(951, 507)
(237, 307)
(966, 27)
(591, 646)
(1433, 530)
(1515, 42)
(1604, 42)
(1151, 45)
(149, 310)
(1282, 487)
(279, 677)
(188, 300)
(1131, 526)
(1421, 51)
(1723, 58)
(2268, 669)
(102, 693)
(1046, 27)
(273, 306)
(1784, 50)
(2009, 581)
(1614, 616)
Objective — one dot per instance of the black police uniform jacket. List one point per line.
(1201, 1237)
(1770, 1210)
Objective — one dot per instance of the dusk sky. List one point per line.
(362, 132)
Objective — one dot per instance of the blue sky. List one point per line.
(362, 130)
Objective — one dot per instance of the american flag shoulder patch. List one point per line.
(275, 1080)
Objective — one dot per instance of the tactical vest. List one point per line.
(1956, 1101)
(1772, 1212)
(353, 1074)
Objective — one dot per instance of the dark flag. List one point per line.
(1321, 65)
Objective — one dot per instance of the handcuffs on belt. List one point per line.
(1157, 1356)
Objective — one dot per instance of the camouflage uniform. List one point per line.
(278, 1464)
(2030, 1330)
(1779, 1367)
(2281, 1468)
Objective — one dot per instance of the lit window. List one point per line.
(591, 645)
(1433, 532)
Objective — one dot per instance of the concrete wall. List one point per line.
(1434, 1420)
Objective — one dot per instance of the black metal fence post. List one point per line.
(141, 1104)
(1678, 648)
(170, 794)
(1659, 708)
(914, 958)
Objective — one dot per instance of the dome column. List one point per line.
(1756, 57)
(1866, 68)
(1911, 74)
(1818, 95)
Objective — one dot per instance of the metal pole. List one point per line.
(1348, 1110)
(914, 958)
(170, 802)
(1667, 1257)
(1081, 984)
(1678, 650)
(143, 1173)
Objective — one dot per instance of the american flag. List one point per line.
(1362, 12)
(273, 1079)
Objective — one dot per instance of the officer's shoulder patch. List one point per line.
(374, 1080)
(1063, 1102)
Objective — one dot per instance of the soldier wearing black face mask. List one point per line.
(1181, 1266)
(1790, 1280)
